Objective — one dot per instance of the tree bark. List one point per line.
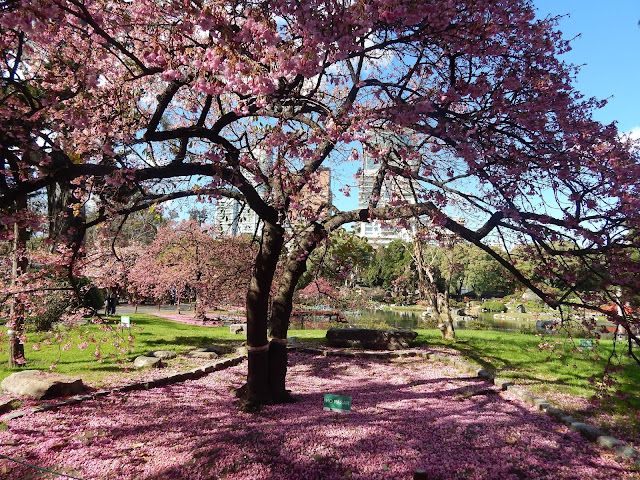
(19, 264)
(257, 391)
(280, 317)
(427, 286)
(266, 378)
(65, 222)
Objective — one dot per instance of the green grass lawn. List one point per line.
(560, 375)
(149, 332)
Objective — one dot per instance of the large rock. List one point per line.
(147, 362)
(371, 339)
(42, 385)
(238, 328)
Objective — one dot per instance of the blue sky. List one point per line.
(607, 45)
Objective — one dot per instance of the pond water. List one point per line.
(407, 319)
(410, 319)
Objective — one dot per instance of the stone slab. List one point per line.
(163, 354)
(238, 328)
(372, 339)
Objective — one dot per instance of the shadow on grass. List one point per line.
(194, 341)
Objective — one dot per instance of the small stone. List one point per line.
(6, 406)
(502, 383)
(163, 354)
(420, 474)
(207, 355)
(556, 412)
(568, 420)
(147, 362)
(210, 348)
(588, 431)
(541, 403)
(627, 452)
(16, 414)
(516, 390)
(609, 442)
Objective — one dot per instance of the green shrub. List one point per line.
(529, 328)
(94, 298)
(55, 306)
(457, 305)
(370, 323)
(494, 307)
(429, 322)
(376, 294)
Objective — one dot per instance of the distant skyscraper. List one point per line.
(235, 218)
(394, 189)
(313, 196)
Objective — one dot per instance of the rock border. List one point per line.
(192, 374)
(590, 433)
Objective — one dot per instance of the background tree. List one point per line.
(484, 274)
(388, 264)
(440, 261)
(340, 260)
(185, 258)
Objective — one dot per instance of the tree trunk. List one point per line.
(18, 267)
(266, 379)
(65, 221)
(448, 332)
(281, 316)
(257, 391)
(427, 286)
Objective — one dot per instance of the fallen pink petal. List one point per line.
(407, 414)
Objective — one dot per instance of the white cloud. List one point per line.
(634, 133)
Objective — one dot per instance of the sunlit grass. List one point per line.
(149, 333)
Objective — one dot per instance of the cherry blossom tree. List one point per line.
(185, 258)
(463, 104)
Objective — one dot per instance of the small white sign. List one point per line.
(125, 322)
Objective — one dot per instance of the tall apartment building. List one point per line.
(378, 233)
(313, 196)
(236, 218)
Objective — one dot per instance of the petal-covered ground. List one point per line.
(406, 414)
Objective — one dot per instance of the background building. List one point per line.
(236, 218)
(394, 189)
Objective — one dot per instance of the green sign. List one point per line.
(125, 322)
(336, 403)
(587, 344)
